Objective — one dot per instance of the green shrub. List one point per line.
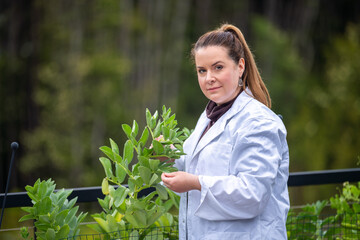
(124, 213)
(54, 216)
(311, 223)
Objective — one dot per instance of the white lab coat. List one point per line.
(243, 167)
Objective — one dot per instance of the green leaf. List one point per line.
(148, 118)
(71, 214)
(147, 152)
(128, 152)
(154, 164)
(127, 130)
(26, 217)
(174, 197)
(96, 228)
(138, 181)
(165, 132)
(112, 225)
(107, 167)
(157, 130)
(144, 137)
(153, 216)
(154, 179)
(144, 161)
(26, 209)
(161, 190)
(63, 232)
(171, 121)
(152, 123)
(134, 235)
(137, 218)
(159, 235)
(105, 186)
(131, 184)
(120, 173)
(172, 134)
(156, 115)
(119, 195)
(60, 218)
(149, 197)
(114, 146)
(50, 234)
(108, 152)
(145, 174)
(43, 206)
(158, 147)
(135, 129)
(103, 224)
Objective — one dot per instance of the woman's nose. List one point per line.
(209, 77)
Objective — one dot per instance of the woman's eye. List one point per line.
(201, 71)
(219, 67)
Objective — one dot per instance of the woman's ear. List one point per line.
(241, 66)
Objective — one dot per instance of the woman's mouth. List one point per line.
(213, 88)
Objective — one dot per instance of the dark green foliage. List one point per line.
(54, 215)
(124, 213)
(312, 223)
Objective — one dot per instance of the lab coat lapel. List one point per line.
(199, 129)
(219, 126)
(212, 133)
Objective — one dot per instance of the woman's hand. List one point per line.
(181, 181)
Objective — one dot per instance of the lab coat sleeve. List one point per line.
(253, 167)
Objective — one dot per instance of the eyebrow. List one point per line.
(211, 64)
(216, 63)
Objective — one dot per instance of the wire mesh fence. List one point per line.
(299, 227)
(155, 233)
(303, 227)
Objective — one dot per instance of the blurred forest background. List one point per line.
(71, 72)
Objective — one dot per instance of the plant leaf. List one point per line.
(161, 190)
(145, 174)
(135, 129)
(128, 152)
(144, 161)
(105, 186)
(114, 146)
(50, 234)
(148, 117)
(120, 172)
(119, 195)
(157, 130)
(144, 137)
(26, 217)
(158, 147)
(107, 167)
(154, 164)
(154, 179)
(127, 130)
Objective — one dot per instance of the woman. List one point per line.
(233, 180)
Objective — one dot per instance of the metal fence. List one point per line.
(156, 233)
(343, 226)
(299, 227)
(91, 194)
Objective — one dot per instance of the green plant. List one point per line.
(55, 216)
(310, 223)
(159, 144)
(347, 205)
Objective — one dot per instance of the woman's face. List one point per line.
(218, 74)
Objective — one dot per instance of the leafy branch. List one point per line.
(159, 143)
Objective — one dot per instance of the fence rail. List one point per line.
(91, 194)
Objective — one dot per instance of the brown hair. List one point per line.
(231, 38)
